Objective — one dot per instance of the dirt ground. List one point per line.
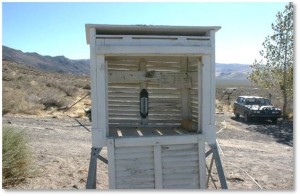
(254, 156)
(258, 155)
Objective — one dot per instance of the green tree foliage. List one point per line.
(274, 71)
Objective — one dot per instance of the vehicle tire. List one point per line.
(247, 118)
(237, 115)
(274, 120)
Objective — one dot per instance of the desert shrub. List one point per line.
(16, 157)
(84, 84)
(52, 103)
(31, 101)
(87, 86)
(67, 87)
(29, 91)
(68, 90)
(16, 102)
(7, 77)
(52, 98)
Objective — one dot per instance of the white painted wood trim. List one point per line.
(93, 74)
(158, 167)
(111, 163)
(159, 140)
(200, 95)
(156, 50)
(202, 163)
(212, 79)
(99, 104)
(206, 90)
(150, 29)
(152, 40)
(96, 130)
(185, 92)
(153, 37)
(106, 133)
(207, 101)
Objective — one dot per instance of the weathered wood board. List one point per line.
(169, 162)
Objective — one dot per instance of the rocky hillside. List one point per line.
(59, 64)
(81, 67)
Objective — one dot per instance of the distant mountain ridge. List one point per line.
(232, 71)
(82, 67)
(47, 63)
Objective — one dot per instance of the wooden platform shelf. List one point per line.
(124, 132)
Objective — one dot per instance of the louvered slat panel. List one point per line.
(165, 99)
(123, 64)
(134, 167)
(180, 166)
(123, 98)
(194, 102)
(164, 106)
(123, 103)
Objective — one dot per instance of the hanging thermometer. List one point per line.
(144, 103)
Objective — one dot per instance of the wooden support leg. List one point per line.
(219, 167)
(91, 180)
(209, 172)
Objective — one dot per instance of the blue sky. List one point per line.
(58, 28)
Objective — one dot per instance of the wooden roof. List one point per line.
(102, 29)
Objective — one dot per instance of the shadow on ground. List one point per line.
(282, 131)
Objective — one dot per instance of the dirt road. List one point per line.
(249, 152)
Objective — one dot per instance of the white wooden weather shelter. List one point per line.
(153, 105)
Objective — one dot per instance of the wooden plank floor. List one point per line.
(146, 131)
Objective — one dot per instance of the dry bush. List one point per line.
(15, 102)
(66, 87)
(83, 84)
(32, 101)
(87, 86)
(29, 91)
(16, 157)
(52, 98)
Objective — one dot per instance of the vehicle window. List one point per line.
(251, 101)
(261, 101)
(242, 101)
(257, 101)
(267, 102)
